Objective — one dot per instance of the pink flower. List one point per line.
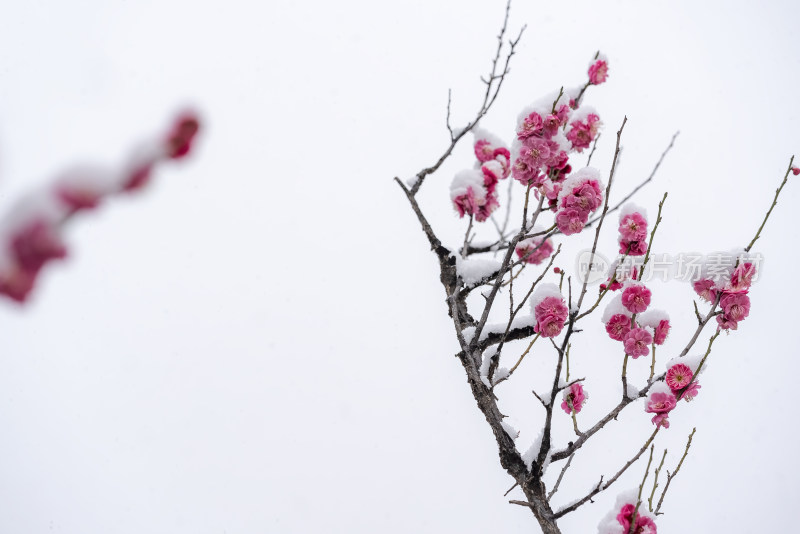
(17, 283)
(632, 248)
(574, 398)
(532, 125)
(492, 172)
(552, 306)
(643, 525)
(742, 277)
(795, 170)
(535, 152)
(179, 139)
(637, 342)
(633, 227)
(706, 290)
(484, 150)
(726, 323)
(563, 113)
(36, 243)
(525, 174)
(581, 134)
(618, 326)
(486, 209)
(551, 125)
(586, 195)
(691, 392)
(735, 306)
(598, 72)
(465, 203)
(503, 156)
(678, 377)
(550, 314)
(661, 419)
(571, 221)
(661, 404)
(534, 250)
(636, 298)
(661, 332)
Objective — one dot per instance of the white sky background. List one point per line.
(260, 342)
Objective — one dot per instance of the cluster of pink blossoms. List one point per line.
(547, 132)
(627, 320)
(534, 250)
(731, 292)
(680, 383)
(598, 70)
(31, 233)
(549, 310)
(619, 519)
(581, 194)
(679, 379)
(574, 398)
(474, 191)
(583, 129)
(660, 403)
(632, 231)
(541, 148)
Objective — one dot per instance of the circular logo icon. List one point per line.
(591, 268)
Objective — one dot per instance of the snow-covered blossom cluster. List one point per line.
(474, 191)
(619, 519)
(31, 233)
(627, 319)
(549, 137)
(547, 132)
(729, 289)
(549, 309)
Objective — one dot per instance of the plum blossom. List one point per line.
(678, 377)
(531, 125)
(637, 342)
(598, 72)
(795, 170)
(582, 132)
(468, 192)
(735, 305)
(636, 297)
(574, 398)
(534, 250)
(659, 321)
(549, 310)
(691, 392)
(633, 227)
(618, 326)
(660, 403)
(618, 520)
(705, 289)
(571, 221)
(643, 525)
(31, 234)
(580, 194)
(742, 277)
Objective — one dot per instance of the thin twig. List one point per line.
(560, 476)
(774, 202)
(636, 189)
(493, 85)
(652, 235)
(641, 488)
(655, 481)
(602, 487)
(672, 475)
